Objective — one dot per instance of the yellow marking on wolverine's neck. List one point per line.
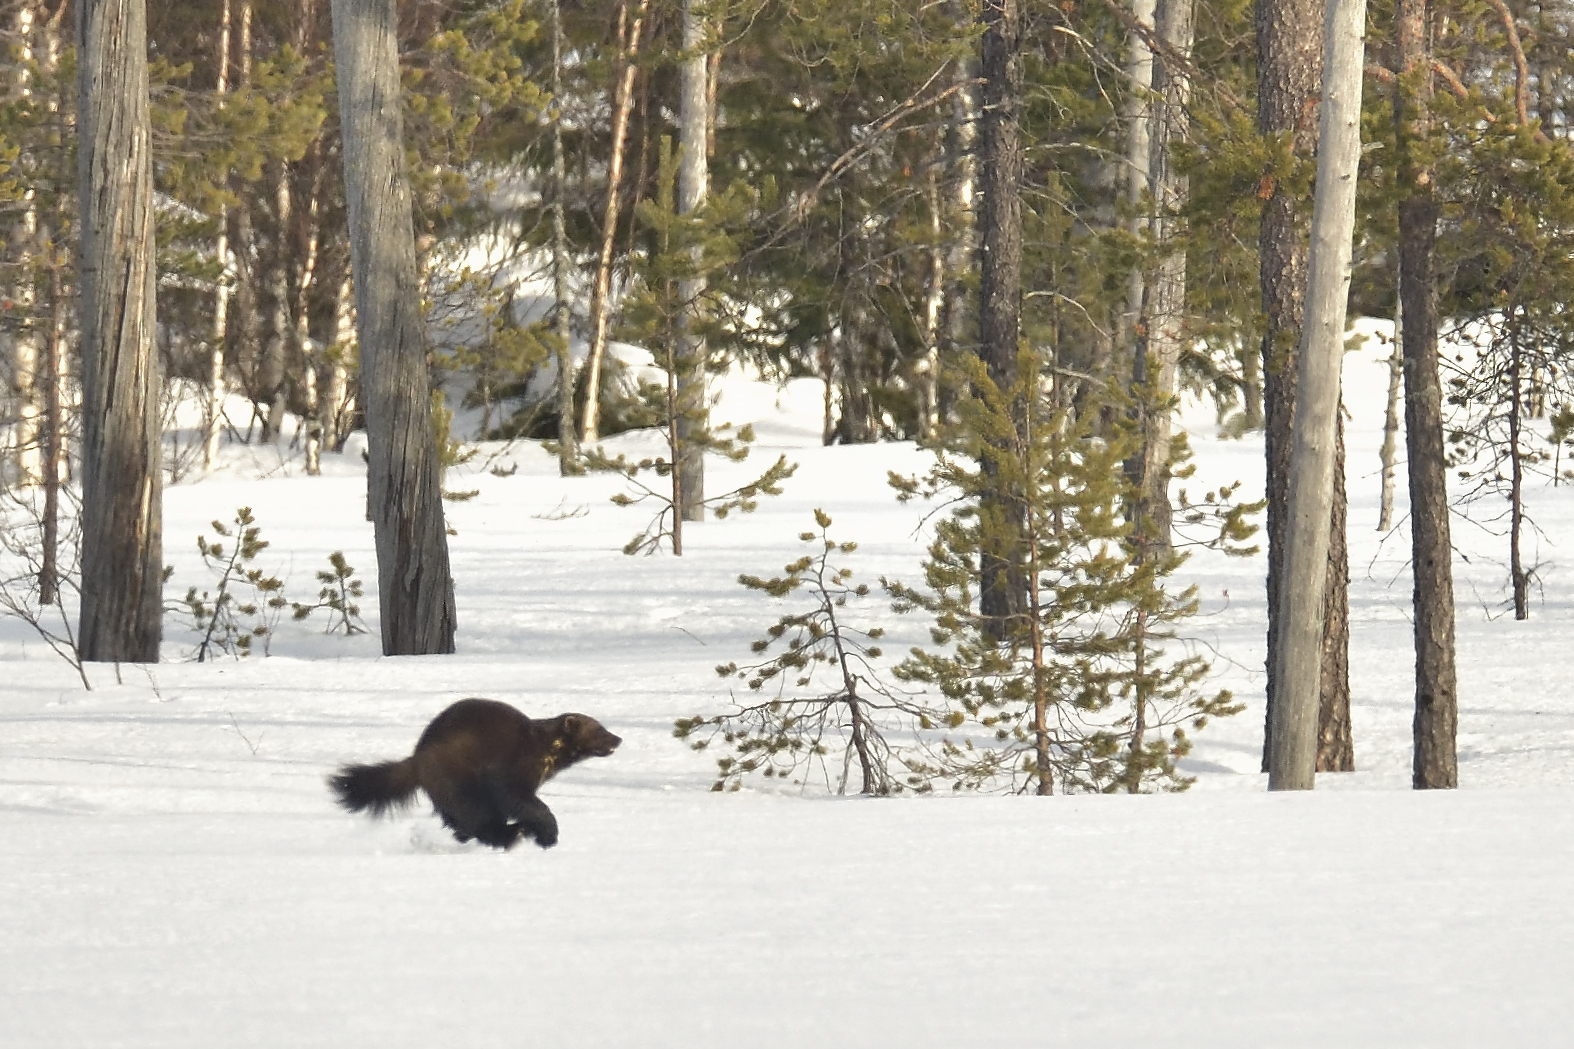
(549, 763)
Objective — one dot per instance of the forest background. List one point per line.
(1015, 232)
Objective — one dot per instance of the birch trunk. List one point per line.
(1139, 160)
(221, 295)
(693, 187)
(415, 590)
(1386, 455)
(1159, 342)
(336, 410)
(1298, 670)
(122, 562)
(274, 352)
(26, 341)
(961, 251)
(622, 105)
(567, 438)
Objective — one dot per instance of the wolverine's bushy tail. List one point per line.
(375, 788)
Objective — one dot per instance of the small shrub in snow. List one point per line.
(339, 594)
(245, 602)
(830, 708)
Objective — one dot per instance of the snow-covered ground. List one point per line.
(173, 873)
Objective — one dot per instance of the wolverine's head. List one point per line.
(585, 737)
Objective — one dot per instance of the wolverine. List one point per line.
(481, 762)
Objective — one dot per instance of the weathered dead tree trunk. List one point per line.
(219, 332)
(1289, 71)
(122, 495)
(415, 590)
(1298, 669)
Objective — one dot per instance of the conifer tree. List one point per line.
(1077, 692)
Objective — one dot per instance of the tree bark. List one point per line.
(415, 590)
(221, 294)
(1386, 455)
(1289, 70)
(274, 351)
(693, 421)
(1436, 700)
(26, 343)
(567, 437)
(1002, 590)
(1163, 315)
(1139, 159)
(122, 495)
(1298, 670)
(962, 191)
(622, 105)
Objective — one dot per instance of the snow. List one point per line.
(173, 872)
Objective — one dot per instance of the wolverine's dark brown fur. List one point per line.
(481, 762)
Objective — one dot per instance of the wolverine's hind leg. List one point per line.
(466, 807)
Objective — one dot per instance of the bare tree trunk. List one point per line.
(622, 105)
(53, 438)
(1298, 670)
(244, 319)
(1386, 456)
(934, 306)
(303, 343)
(1139, 160)
(25, 341)
(961, 251)
(693, 399)
(221, 294)
(336, 424)
(274, 351)
(567, 438)
(1289, 68)
(1518, 577)
(1163, 316)
(1002, 590)
(1436, 704)
(415, 590)
(122, 562)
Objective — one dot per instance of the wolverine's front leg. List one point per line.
(536, 820)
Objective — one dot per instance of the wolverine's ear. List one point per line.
(571, 725)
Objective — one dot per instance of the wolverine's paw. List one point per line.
(547, 839)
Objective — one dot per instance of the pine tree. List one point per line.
(1075, 691)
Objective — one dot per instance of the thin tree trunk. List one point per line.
(244, 319)
(928, 377)
(275, 350)
(415, 590)
(1159, 345)
(221, 294)
(567, 437)
(1002, 597)
(1289, 70)
(961, 251)
(53, 438)
(1386, 456)
(622, 104)
(693, 188)
(336, 423)
(25, 341)
(1139, 161)
(1518, 578)
(1436, 701)
(303, 343)
(122, 495)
